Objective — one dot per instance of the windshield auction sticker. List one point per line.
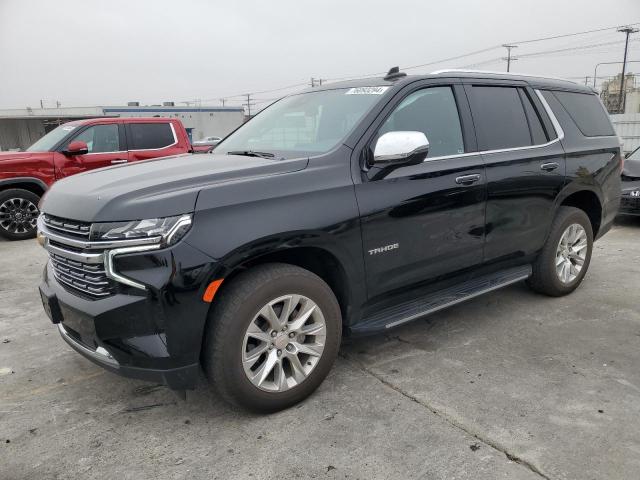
(366, 91)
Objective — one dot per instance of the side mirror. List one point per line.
(77, 148)
(400, 148)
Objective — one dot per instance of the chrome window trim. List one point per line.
(173, 131)
(552, 116)
(554, 122)
(109, 267)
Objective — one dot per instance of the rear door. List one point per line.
(105, 142)
(151, 140)
(423, 221)
(525, 166)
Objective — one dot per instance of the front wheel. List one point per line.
(18, 214)
(566, 255)
(272, 338)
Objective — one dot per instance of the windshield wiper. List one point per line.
(251, 153)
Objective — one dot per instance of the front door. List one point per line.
(105, 148)
(425, 221)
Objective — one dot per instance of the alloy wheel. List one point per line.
(571, 253)
(283, 343)
(18, 215)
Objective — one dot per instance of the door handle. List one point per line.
(548, 167)
(467, 179)
(119, 160)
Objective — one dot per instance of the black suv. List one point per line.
(346, 209)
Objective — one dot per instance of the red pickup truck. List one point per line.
(72, 148)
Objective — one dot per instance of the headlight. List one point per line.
(168, 230)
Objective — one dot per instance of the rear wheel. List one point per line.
(18, 214)
(565, 258)
(273, 336)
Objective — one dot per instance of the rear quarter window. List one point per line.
(147, 136)
(587, 113)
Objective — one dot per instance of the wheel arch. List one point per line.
(320, 261)
(589, 202)
(33, 185)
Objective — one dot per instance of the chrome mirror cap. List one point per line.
(401, 147)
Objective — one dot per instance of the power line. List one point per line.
(453, 58)
(574, 34)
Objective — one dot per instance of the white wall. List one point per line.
(628, 129)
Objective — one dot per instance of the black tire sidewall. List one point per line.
(231, 377)
(18, 193)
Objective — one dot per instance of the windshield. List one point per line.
(308, 123)
(51, 139)
(635, 155)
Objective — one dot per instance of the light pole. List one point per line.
(595, 70)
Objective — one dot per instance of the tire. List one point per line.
(18, 214)
(228, 343)
(546, 278)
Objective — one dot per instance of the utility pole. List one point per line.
(248, 104)
(41, 105)
(222, 100)
(509, 58)
(623, 95)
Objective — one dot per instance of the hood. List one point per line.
(153, 188)
(631, 168)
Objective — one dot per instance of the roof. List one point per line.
(533, 80)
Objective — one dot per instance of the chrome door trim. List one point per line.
(554, 122)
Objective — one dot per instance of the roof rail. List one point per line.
(492, 72)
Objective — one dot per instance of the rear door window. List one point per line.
(499, 117)
(587, 113)
(148, 136)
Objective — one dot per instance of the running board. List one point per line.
(405, 312)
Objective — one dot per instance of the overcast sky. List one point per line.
(91, 52)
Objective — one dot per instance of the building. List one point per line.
(610, 94)
(19, 128)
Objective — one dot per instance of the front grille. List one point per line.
(87, 278)
(71, 228)
(72, 264)
(630, 203)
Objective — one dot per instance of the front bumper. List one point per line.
(153, 334)
(630, 199)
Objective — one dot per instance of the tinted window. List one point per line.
(587, 113)
(145, 136)
(538, 133)
(100, 138)
(432, 111)
(499, 118)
